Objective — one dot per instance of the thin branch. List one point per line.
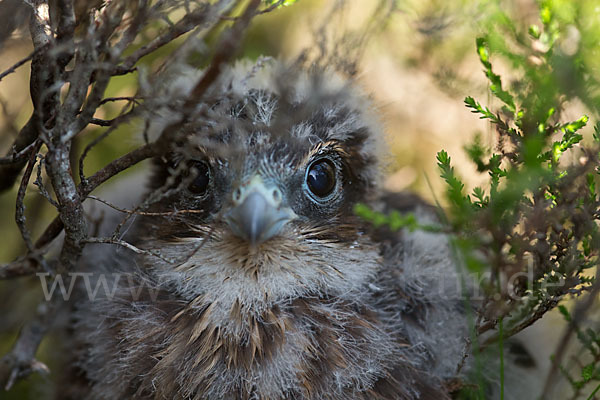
(155, 196)
(145, 213)
(105, 122)
(52, 231)
(16, 66)
(123, 116)
(65, 31)
(128, 246)
(132, 99)
(186, 24)
(20, 209)
(117, 166)
(18, 156)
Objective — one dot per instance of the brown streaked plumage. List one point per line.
(276, 290)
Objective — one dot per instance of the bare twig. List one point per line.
(102, 122)
(132, 99)
(20, 209)
(15, 66)
(18, 156)
(114, 124)
(190, 21)
(128, 246)
(145, 213)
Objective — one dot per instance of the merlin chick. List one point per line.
(258, 280)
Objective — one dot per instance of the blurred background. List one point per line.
(418, 66)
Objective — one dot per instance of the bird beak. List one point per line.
(257, 213)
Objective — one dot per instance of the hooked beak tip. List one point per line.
(256, 220)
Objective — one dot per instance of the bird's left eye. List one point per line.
(320, 177)
(199, 184)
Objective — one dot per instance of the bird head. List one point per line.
(262, 183)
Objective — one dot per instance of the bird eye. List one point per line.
(320, 177)
(199, 184)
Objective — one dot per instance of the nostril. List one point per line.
(237, 195)
(276, 195)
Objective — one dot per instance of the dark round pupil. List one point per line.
(202, 178)
(321, 178)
